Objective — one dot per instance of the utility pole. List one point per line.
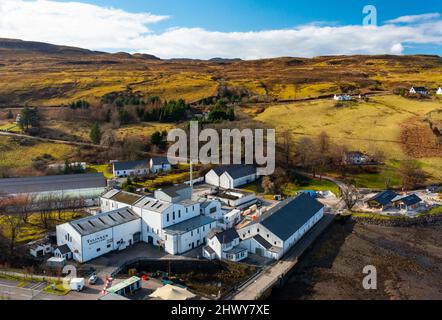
(191, 178)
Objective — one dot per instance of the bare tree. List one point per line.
(350, 195)
(267, 185)
(285, 149)
(411, 174)
(13, 224)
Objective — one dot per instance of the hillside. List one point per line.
(49, 75)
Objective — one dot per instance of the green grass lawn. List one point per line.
(57, 288)
(291, 189)
(102, 168)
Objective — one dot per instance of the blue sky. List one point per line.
(204, 28)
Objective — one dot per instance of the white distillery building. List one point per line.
(91, 237)
(170, 218)
(282, 227)
(232, 176)
(225, 245)
(130, 168)
(88, 187)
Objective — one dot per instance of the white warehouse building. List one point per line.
(232, 176)
(91, 237)
(282, 227)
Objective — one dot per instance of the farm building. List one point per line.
(75, 186)
(91, 237)
(231, 176)
(225, 246)
(382, 200)
(40, 248)
(419, 90)
(408, 202)
(126, 287)
(159, 164)
(131, 168)
(282, 227)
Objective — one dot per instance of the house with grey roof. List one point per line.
(277, 231)
(419, 90)
(225, 245)
(410, 202)
(382, 200)
(232, 176)
(130, 168)
(159, 164)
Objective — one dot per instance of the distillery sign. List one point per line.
(98, 239)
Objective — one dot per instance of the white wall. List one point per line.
(212, 178)
(178, 244)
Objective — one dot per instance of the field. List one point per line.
(33, 229)
(364, 126)
(19, 153)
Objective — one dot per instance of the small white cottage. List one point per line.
(439, 91)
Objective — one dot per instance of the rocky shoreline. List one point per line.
(425, 220)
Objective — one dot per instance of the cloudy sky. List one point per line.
(247, 29)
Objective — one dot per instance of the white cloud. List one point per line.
(110, 29)
(415, 18)
(72, 23)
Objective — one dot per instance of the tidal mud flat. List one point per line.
(408, 262)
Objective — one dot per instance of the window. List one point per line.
(108, 246)
(213, 210)
(187, 210)
(268, 236)
(198, 231)
(257, 230)
(179, 214)
(99, 249)
(191, 233)
(168, 218)
(173, 215)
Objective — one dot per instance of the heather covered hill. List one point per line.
(50, 75)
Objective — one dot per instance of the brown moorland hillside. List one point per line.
(50, 75)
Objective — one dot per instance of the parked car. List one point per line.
(93, 279)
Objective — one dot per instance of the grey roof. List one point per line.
(291, 215)
(103, 221)
(227, 236)
(152, 204)
(384, 197)
(52, 183)
(189, 225)
(64, 249)
(173, 191)
(420, 88)
(131, 165)
(209, 249)
(409, 200)
(267, 245)
(236, 170)
(158, 161)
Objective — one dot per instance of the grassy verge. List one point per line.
(102, 168)
(57, 288)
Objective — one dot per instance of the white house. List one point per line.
(63, 252)
(419, 90)
(225, 246)
(91, 237)
(356, 158)
(342, 97)
(439, 91)
(282, 227)
(232, 176)
(131, 168)
(159, 164)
